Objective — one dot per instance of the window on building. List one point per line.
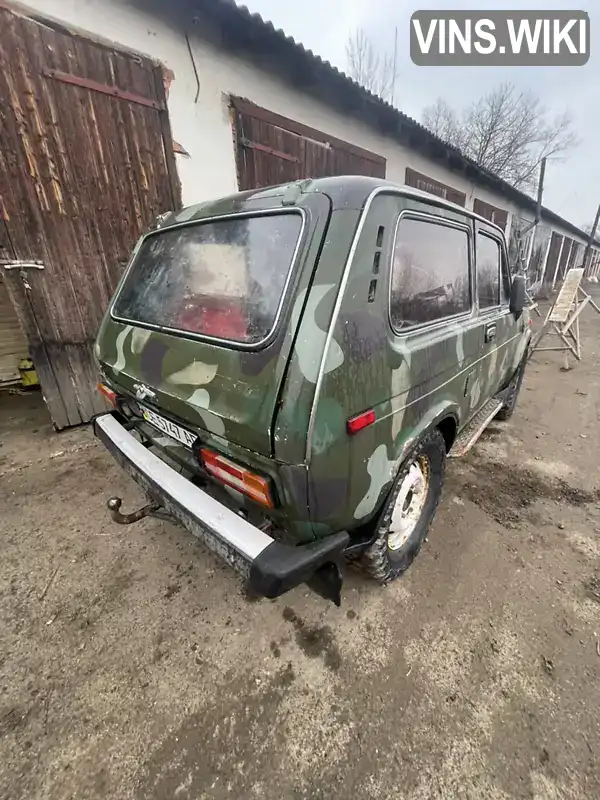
(430, 273)
(488, 271)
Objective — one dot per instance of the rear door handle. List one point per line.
(490, 333)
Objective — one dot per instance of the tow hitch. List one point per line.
(114, 506)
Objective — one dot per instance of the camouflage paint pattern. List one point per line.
(261, 407)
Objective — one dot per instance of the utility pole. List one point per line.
(538, 213)
(588, 248)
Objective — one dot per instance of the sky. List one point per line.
(572, 187)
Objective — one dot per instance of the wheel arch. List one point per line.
(384, 460)
(444, 416)
(448, 427)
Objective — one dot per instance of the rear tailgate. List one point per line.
(204, 320)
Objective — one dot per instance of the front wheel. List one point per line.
(409, 510)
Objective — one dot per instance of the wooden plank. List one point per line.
(575, 316)
(566, 297)
(94, 86)
(61, 294)
(268, 150)
(167, 141)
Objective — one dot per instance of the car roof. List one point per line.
(345, 191)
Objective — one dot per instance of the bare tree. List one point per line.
(506, 131)
(444, 122)
(369, 68)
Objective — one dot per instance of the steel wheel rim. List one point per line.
(409, 504)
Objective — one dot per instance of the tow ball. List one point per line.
(114, 506)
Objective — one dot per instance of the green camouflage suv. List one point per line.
(289, 369)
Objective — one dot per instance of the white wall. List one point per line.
(204, 128)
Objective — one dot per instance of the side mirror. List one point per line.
(518, 295)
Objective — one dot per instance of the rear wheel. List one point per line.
(409, 510)
(514, 387)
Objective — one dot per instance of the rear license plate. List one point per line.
(170, 428)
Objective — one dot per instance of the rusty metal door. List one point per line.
(86, 163)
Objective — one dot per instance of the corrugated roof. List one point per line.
(242, 29)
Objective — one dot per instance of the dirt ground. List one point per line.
(132, 665)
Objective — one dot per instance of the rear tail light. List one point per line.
(224, 470)
(108, 394)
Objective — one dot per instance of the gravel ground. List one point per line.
(132, 664)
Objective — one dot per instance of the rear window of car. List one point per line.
(223, 278)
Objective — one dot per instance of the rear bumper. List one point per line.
(271, 567)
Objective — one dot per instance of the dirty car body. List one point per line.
(247, 335)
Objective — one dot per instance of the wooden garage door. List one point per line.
(13, 344)
(564, 257)
(499, 216)
(272, 149)
(427, 184)
(86, 163)
(553, 256)
(576, 255)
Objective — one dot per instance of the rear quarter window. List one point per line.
(224, 278)
(430, 272)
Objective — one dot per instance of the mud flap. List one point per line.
(281, 567)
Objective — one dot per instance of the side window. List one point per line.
(487, 258)
(430, 273)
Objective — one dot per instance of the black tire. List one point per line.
(381, 562)
(514, 387)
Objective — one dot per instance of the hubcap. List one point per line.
(409, 504)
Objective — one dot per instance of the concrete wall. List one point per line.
(203, 128)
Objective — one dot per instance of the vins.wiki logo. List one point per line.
(500, 38)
